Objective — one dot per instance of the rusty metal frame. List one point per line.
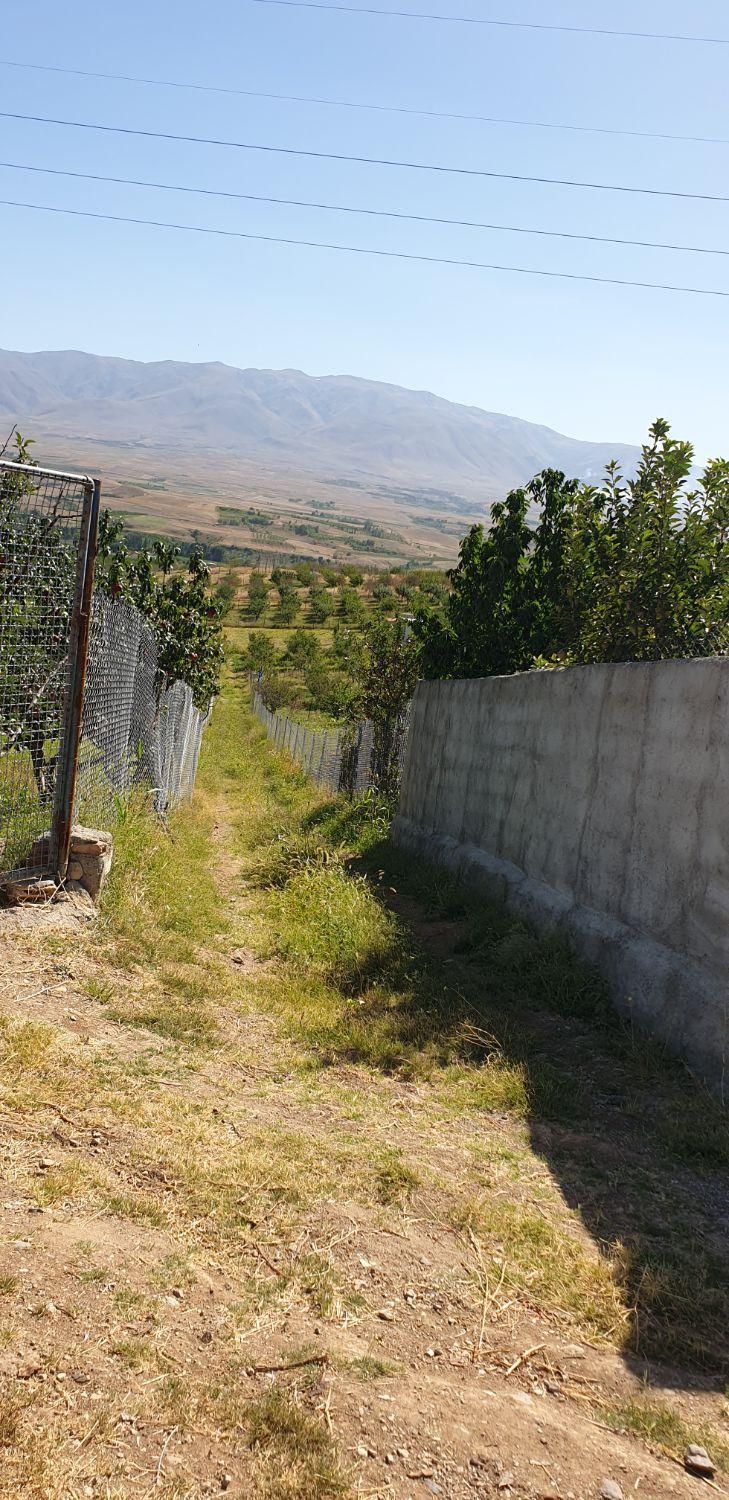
(78, 653)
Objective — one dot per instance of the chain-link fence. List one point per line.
(45, 527)
(85, 713)
(137, 728)
(353, 759)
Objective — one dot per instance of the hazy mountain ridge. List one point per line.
(328, 424)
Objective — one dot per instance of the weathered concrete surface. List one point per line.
(596, 798)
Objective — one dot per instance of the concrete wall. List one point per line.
(596, 798)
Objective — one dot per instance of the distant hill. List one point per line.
(334, 424)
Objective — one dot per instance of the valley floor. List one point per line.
(319, 1181)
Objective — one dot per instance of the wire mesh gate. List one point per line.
(48, 527)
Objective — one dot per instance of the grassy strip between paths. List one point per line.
(494, 1019)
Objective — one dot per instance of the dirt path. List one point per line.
(233, 1263)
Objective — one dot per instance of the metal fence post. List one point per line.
(73, 708)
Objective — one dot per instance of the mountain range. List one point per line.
(335, 424)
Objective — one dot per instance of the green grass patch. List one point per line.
(383, 962)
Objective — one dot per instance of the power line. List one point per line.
(390, 109)
(375, 161)
(348, 208)
(425, 15)
(433, 260)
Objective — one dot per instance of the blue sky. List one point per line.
(592, 361)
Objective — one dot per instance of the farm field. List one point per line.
(274, 514)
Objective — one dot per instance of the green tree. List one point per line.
(179, 605)
(261, 654)
(648, 566)
(288, 602)
(331, 692)
(348, 650)
(386, 681)
(303, 650)
(632, 571)
(225, 592)
(257, 595)
(506, 605)
(384, 600)
(321, 606)
(351, 606)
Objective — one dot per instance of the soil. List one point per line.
(464, 1397)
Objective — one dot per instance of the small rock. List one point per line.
(432, 1488)
(506, 1481)
(697, 1461)
(387, 1314)
(390, 1458)
(225, 1481)
(403, 1453)
(362, 1450)
(610, 1490)
(80, 1377)
(28, 1369)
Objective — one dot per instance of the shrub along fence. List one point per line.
(85, 713)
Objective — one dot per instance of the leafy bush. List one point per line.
(303, 650)
(261, 654)
(321, 606)
(288, 602)
(634, 571)
(352, 608)
(257, 595)
(183, 613)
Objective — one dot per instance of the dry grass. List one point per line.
(391, 1067)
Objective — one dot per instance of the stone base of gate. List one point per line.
(90, 857)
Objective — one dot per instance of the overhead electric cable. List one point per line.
(436, 260)
(358, 104)
(349, 208)
(377, 161)
(426, 15)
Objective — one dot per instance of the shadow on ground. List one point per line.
(638, 1147)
